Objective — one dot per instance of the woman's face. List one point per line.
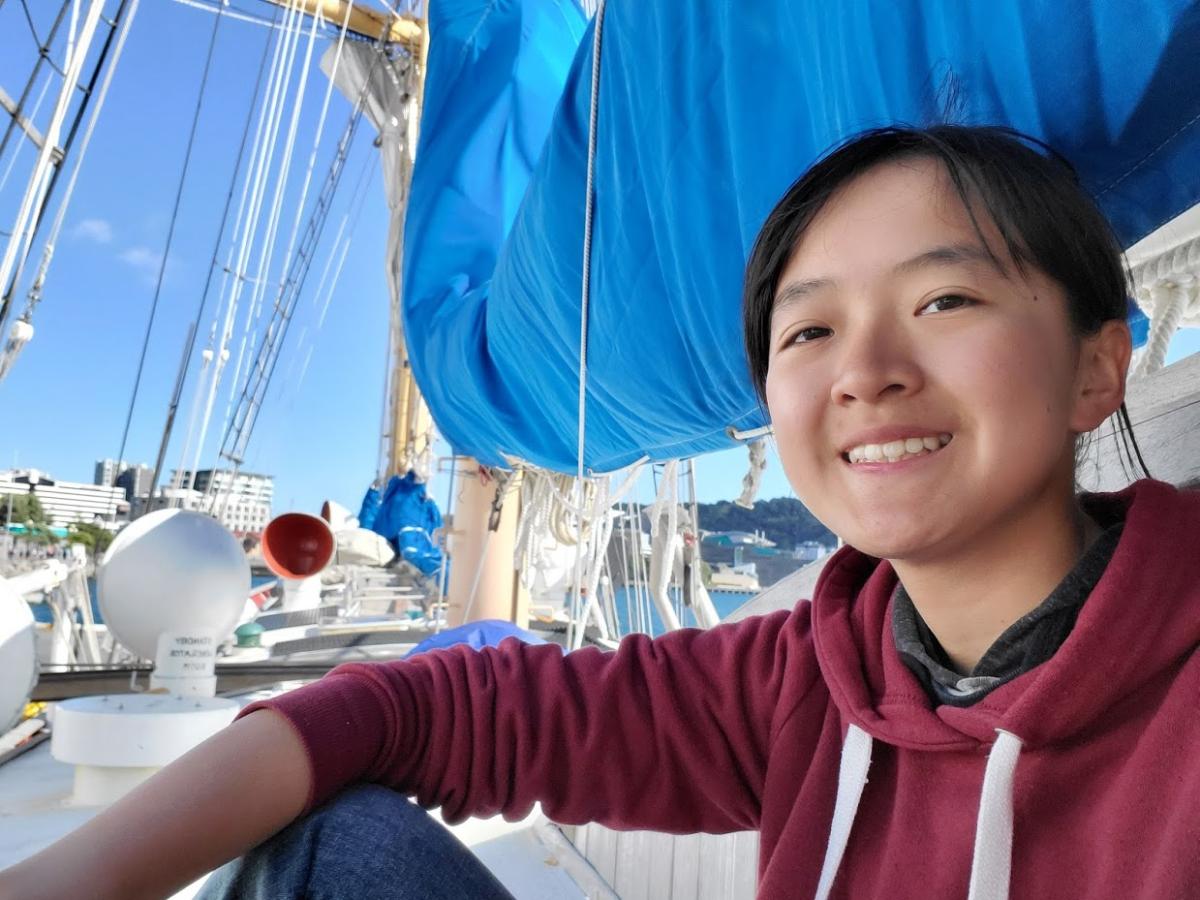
(921, 396)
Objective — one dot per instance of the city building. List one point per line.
(135, 481)
(107, 471)
(241, 501)
(66, 502)
(810, 551)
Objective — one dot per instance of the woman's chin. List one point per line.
(894, 544)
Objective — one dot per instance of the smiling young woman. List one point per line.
(933, 319)
(927, 391)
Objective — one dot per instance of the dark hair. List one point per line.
(1045, 219)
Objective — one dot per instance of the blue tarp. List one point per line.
(484, 633)
(407, 517)
(707, 112)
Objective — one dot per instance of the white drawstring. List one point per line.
(852, 778)
(991, 867)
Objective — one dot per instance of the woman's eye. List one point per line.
(807, 335)
(945, 303)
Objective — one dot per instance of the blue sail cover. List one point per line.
(477, 635)
(407, 517)
(708, 111)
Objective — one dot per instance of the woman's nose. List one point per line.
(875, 362)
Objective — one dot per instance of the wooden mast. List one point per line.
(364, 21)
(483, 566)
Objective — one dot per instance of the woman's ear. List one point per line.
(1100, 381)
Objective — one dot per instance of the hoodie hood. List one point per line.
(1140, 622)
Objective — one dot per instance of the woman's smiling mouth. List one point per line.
(897, 450)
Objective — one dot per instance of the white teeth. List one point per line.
(895, 451)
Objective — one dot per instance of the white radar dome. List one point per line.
(18, 656)
(172, 570)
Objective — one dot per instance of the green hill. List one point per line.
(783, 520)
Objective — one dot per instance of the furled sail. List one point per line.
(707, 112)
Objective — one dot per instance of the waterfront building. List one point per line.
(66, 502)
(737, 539)
(810, 551)
(240, 501)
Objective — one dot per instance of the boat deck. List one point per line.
(531, 857)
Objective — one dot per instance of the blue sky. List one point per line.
(65, 403)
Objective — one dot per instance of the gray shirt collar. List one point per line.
(1028, 642)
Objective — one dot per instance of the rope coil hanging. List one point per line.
(1167, 290)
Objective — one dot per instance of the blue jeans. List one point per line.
(367, 842)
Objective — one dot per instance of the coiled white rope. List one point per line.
(1168, 302)
(1166, 289)
(752, 480)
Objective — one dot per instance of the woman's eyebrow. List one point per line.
(949, 255)
(942, 256)
(795, 291)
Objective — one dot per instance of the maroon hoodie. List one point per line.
(1092, 786)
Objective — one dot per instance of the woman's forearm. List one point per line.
(213, 804)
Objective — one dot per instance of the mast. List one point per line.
(484, 582)
(364, 21)
(409, 424)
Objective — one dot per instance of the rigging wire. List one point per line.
(64, 150)
(241, 426)
(37, 40)
(252, 191)
(325, 287)
(43, 57)
(312, 158)
(312, 161)
(124, 18)
(162, 268)
(268, 357)
(122, 22)
(79, 38)
(306, 343)
(575, 628)
(32, 28)
(37, 107)
(204, 294)
(287, 61)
